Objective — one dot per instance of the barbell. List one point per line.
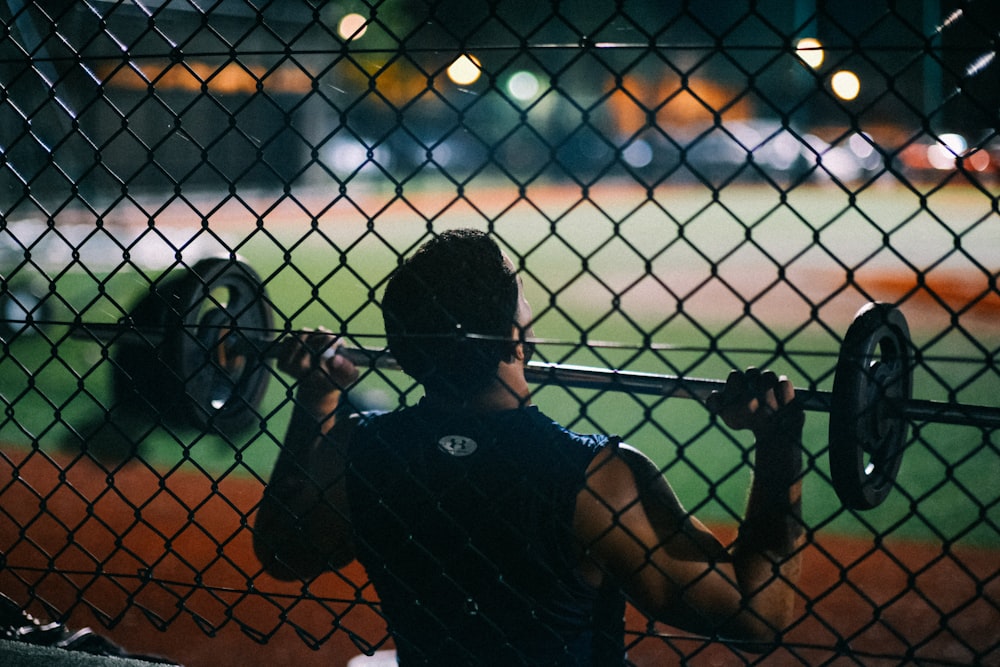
(195, 346)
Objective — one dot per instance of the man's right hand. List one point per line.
(311, 358)
(751, 399)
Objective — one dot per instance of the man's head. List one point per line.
(449, 312)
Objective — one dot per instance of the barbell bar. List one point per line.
(194, 347)
(589, 377)
(676, 386)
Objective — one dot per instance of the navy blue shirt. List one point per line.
(463, 522)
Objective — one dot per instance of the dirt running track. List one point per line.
(165, 566)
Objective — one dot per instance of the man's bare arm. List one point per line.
(767, 554)
(672, 567)
(303, 526)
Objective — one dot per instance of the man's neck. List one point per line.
(509, 392)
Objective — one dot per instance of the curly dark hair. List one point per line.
(448, 312)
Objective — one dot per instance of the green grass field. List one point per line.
(648, 280)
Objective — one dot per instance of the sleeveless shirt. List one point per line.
(463, 522)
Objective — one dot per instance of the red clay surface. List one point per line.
(165, 566)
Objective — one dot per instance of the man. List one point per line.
(492, 534)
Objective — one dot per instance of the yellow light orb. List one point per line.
(810, 51)
(465, 70)
(352, 26)
(846, 85)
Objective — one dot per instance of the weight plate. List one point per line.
(205, 370)
(867, 433)
(222, 311)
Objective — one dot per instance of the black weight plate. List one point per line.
(222, 314)
(867, 435)
(197, 366)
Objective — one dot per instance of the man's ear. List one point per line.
(524, 349)
(516, 348)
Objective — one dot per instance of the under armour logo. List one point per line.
(457, 445)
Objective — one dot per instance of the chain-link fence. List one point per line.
(684, 188)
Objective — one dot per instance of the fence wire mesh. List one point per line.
(685, 188)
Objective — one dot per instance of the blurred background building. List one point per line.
(103, 99)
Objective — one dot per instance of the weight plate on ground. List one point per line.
(867, 433)
(204, 370)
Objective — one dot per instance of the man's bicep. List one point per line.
(677, 531)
